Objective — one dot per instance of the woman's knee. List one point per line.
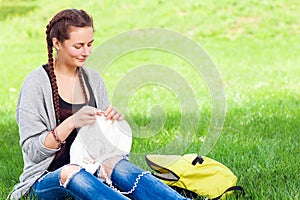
(67, 173)
(107, 167)
(125, 170)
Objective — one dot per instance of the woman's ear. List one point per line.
(56, 44)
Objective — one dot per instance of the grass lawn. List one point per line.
(254, 44)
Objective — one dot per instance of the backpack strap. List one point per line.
(233, 188)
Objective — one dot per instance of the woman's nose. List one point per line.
(86, 51)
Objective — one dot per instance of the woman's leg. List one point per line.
(125, 175)
(80, 185)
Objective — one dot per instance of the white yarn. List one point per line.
(100, 141)
(109, 182)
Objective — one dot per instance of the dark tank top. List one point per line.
(62, 157)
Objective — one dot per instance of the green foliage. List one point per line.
(11, 9)
(254, 45)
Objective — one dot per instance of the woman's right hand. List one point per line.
(85, 116)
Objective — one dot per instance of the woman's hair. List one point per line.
(60, 27)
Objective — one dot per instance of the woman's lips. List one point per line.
(81, 60)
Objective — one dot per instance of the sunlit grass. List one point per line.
(254, 46)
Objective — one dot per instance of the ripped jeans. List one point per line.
(86, 186)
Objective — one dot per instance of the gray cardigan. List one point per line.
(36, 117)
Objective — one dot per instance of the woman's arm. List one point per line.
(35, 116)
(85, 116)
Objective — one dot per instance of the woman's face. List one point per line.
(74, 51)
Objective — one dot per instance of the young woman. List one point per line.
(57, 98)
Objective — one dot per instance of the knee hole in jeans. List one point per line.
(67, 173)
(107, 166)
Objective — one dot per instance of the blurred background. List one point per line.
(253, 43)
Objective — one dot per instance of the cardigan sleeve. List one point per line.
(35, 116)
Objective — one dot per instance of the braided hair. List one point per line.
(60, 27)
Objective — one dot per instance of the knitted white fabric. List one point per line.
(100, 141)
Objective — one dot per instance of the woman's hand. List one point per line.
(85, 116)
(112, 114)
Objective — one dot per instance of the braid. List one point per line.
(59, 27)
(50, 70)
(80, 75)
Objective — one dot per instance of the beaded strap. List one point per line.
(135, 184)
(56, 138)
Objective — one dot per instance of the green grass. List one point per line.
(255, 45)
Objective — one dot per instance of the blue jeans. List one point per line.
(85, 186)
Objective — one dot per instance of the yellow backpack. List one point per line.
(191, 172)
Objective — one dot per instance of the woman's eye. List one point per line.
(77, 46)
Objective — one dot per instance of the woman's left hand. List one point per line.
(113, 114)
